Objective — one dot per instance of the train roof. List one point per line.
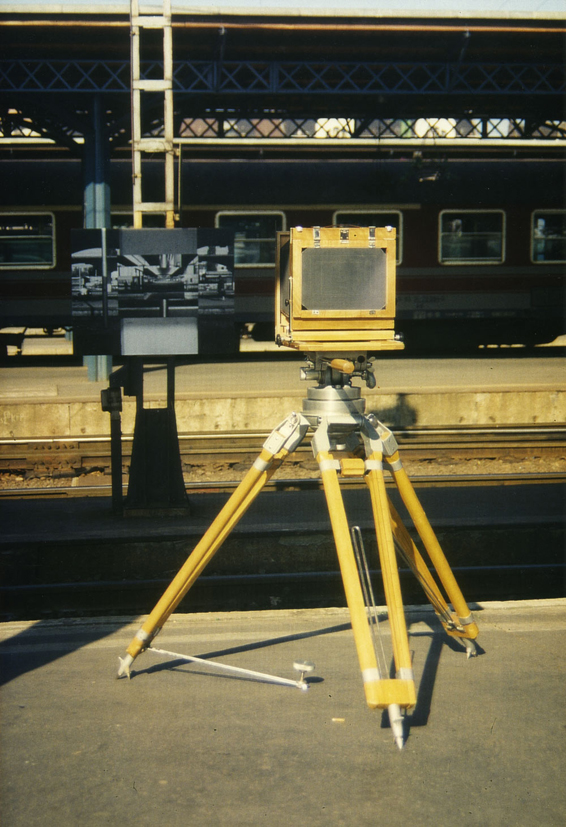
(468, 9)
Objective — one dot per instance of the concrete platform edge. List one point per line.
(37, 419)
(130, 623)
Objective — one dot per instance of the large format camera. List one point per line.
(335, 289)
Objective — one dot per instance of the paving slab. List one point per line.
(180, 744)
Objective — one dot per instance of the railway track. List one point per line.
(65, 467)
(500, 552)
(64, 454)
(289, 590)
(227, 486)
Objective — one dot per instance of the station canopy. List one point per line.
(292, 79)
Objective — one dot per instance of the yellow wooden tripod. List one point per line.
(345, 442)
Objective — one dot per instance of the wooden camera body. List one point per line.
(335, 289)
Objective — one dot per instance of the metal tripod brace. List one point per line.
(337, 413)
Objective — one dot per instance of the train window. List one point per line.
(254, 235)
(548, 236)
(27, 240)
(472, 237)
(373, 218)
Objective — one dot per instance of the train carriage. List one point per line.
(481, 255)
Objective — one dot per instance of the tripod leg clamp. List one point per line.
(380, 694)
(287, 435)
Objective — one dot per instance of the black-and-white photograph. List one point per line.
(215, 256)
(118, 274)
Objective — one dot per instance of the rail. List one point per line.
(238, 442)
(216, 461)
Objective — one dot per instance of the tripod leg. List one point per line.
(390, 573)
(380, 692)
(350, 577)
(279, 444)
(411, 555)
(439, 561)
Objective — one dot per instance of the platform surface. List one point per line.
(257, 393)
(179, 744)
(280, 375)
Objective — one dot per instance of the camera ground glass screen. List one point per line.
(352, 278)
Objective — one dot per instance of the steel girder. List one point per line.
(275, 99)
(316, 78)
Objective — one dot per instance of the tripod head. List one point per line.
(337, 369)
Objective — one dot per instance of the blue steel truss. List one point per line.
(251, 78)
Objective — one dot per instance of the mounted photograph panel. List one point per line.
(151, 291)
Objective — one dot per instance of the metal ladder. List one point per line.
(160, 145)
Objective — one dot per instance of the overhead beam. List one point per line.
(301, 26)
(284, 78)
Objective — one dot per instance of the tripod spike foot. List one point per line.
(396, 721)
(471, 649)
(124, 668)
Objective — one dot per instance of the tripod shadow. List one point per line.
(246, 647)
(417, 718)
(401, 415)
(420, 714)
